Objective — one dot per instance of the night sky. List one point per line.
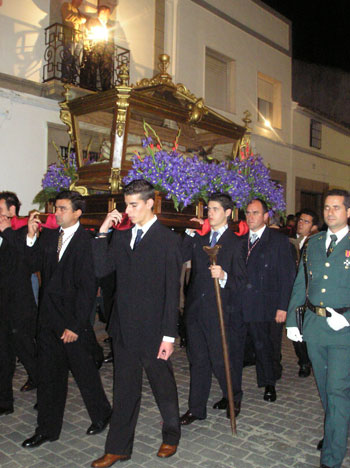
(321, 30)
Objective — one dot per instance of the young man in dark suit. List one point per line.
(18, 311)
(143, 323)
(65, 337)
(271, 272)
(204, 347)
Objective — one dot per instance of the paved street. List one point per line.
(270, 435)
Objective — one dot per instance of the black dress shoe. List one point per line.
(29, 385)
(188, 418)
(237, 406)
(108, 358)
(37, 440)
(4, 411)
(98, 427)
(320, 445)
(270, 393)
(305, 370)
(221, 404)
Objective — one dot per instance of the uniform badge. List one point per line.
(347, 261)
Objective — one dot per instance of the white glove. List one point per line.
(293, 334)
(336, 321)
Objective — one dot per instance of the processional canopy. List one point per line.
(107, 128)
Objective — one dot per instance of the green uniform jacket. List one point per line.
(329, 286)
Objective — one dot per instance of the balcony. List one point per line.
(71, 58)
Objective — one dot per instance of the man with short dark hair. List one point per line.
(65, 337)
(204, 347)
(326, 328)
(271, 272)
(143, 323)
(17, 308)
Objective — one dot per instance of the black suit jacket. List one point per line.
(18, 307)
(271, 272)
(147, 285)
(68, 287)
(200, 296)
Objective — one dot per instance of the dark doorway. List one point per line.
(313, 201)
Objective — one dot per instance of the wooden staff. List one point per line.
(212, 252)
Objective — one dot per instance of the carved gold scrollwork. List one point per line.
(196, 111)
(123, 93)
(115, 180)
(65, 114)
(161, 78)
(80, 189)
(181, 88)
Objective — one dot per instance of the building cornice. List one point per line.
(324, 120)
(301, 149)
(50, 90)
(247, 29)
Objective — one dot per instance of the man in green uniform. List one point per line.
(326, 327)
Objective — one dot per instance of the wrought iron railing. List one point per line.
(71, 58)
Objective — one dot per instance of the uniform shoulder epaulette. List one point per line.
(318, 236)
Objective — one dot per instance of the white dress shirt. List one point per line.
(144, 228)
(220, 232)
(340, 235)
(68, 233)
(257, 233)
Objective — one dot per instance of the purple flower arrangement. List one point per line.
(59, 176)
(185, 180)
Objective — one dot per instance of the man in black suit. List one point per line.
(204, 347)
(143, 324)
(18, 310)
(271, 272)
(307, 225)
(65, 337)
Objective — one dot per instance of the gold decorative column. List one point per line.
(245, 147)
(123, 95)
(65, 114)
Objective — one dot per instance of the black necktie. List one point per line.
(138, 238)
(213, 238)
(332, 245)
(60, 243)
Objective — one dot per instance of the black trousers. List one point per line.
(128, 368)
(276, 340)
(55, 359)
(301, 352)
(267, 349)
(14, 343)
(205, 355)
